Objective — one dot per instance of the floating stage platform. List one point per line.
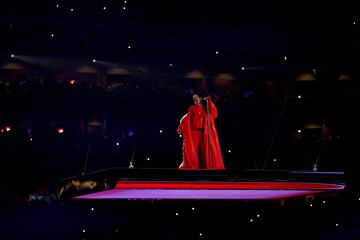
(175, 184)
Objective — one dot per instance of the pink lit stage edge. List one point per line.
(172, 190)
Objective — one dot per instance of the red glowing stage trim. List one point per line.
(229, 185)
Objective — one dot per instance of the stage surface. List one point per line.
(174, 184)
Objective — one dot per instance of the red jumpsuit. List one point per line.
(201, 148)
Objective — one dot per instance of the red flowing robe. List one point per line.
(200, 150)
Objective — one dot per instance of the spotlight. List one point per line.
(8, 129)
(337, 224)
(193, 208)
(170, 64)
(177, 214)
(129, 47)
(12, 55)
(57, 5)
(258, 215)
(60, 130)
(124, 8)
(299, 130)
(72, 82)
(180, 136)
(71, 9)
(94, 60)
(275, 160)
(92, 209)
(200, 234)
(125, 2)
(83, 230)
(251, 220)
(216, 52)
(161, 131)
(117, 144)
(285, 58)
(104, 8)
(243, 68)
(354, 23)
(130, 133)
(299, 97)
(148, 159)
(52, 35)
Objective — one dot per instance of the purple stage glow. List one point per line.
(215, 194)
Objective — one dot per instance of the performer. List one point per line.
(201, 148)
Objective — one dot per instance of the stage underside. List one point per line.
(173, 184)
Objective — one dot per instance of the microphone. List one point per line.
(205, 99)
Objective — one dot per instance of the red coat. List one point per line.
(194, 127)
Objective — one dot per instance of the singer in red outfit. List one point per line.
(201, 148)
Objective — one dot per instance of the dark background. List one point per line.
(113, 113)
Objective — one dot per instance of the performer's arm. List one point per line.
(212, 108)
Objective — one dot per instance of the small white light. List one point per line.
(311, 205)
(299, 130)
(125, 2)
(285, 58)
(160, 131)
(94, 60)
(129, 47)
(177, 214)
(216, 52)
(117, 144)
(8, 129)
(71, 9)
(52, 35)
(57, 5)
(124, 8)
(83, 230)
(337, 224)
(104, 8)
(258, 215)
(180, 135)
(193, 208)
(200, 234)
(274, 159)
(170, 64)
(229, 151)
(251, 220)
(92, 209)
(324, 202)
(243, 68)
(354, 23)
(148, 159)
(299, 96)
(116, 230)
(31, 139)
(12, 55)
